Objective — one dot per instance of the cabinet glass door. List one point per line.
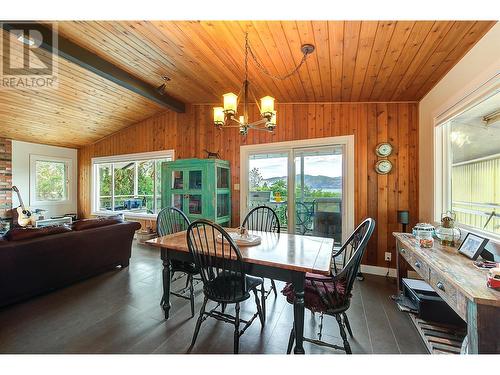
(195, 180)
(177, 180)
(178, 201)
(195, 204)
(222, 178)
(222, 204)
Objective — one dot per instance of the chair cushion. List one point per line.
(317, 289)
(97, 222)
(227, 287)
(19, 234)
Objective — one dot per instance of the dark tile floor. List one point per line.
(119, 312)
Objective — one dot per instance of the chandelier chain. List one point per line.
(248, 49)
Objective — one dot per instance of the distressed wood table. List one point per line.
(461, 285)
(280, 256)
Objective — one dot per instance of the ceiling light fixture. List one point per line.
(225, 117)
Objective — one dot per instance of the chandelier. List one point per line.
(226, 116)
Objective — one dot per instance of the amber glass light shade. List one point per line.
(267, 106)
(218, 115)
(230, 103)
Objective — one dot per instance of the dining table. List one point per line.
(278, 256)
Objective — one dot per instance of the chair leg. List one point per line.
(198, 322)
(223, 307)
(347, 347)
(320, 333)
(262, 318)
(191, 294)
(237, 329)
(273, 287)
(171, 277)
(290, 341)
(188, 277)
(347, 325)
(263, 299)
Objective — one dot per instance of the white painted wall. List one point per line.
(21, 175)
(477, 67)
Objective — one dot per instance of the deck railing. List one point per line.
(485, 216)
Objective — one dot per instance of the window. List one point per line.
(305, 182)
(470, 148)
(130, 184)
(49, 179)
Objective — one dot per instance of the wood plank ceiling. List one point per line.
(81, 109)
(354, 61)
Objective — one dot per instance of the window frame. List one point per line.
(68, 166)
(135, 157)
(442, 154)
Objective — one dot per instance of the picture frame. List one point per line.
(472, 245)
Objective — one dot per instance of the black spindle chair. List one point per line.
(264, 219)
(172, 220)
(331, 295)
(224, 281)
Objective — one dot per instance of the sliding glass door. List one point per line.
(318, 191)
(268, 183)
(304, 185)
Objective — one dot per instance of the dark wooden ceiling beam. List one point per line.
(93, 63)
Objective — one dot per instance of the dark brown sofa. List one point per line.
(31, 266)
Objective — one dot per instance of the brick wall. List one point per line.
(5, 178)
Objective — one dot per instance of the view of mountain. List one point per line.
(315, 182)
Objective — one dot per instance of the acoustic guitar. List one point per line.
(24, 215)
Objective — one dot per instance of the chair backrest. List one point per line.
(219, 259)
(171, 220)
(353, 250)
(262, 218)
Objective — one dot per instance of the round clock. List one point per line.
(383, 149)
(383, 166)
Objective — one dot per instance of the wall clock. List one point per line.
(383, 166)
(383, 149)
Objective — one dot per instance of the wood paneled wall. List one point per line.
(5, 178)
(377, 196)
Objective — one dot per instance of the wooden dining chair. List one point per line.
(331, 295)
(264, 219)
(172, 220)
(219, 260)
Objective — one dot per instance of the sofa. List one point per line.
(37, 260)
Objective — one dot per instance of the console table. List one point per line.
(460, 284)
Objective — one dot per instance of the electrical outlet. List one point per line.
(388, 256)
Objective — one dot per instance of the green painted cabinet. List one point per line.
(201, 188)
